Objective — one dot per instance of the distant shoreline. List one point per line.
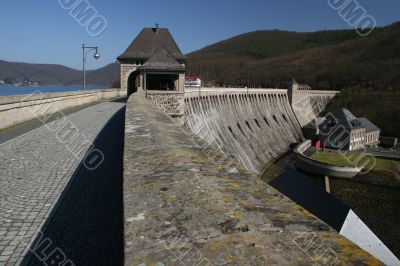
(16, 86)
(22, 90)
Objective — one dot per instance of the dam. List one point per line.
(182, 208)
(256, 126)
(183, 201)
(166, 176)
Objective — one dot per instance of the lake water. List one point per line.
(15, 90)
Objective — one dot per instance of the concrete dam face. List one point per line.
(255, 127)
(310, 104)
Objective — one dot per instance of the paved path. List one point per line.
(87, 225)
(13, 132)
(35, 168)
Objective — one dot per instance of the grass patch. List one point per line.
(355, 159)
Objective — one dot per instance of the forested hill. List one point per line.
(50, 74)
(333, 59)
(366, 69)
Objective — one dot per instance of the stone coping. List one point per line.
(157, 92)
(182, 209)
(317, 92)
(39, 96)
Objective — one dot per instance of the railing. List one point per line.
(319, 168)
(198, 92)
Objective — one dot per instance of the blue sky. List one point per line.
(42, 31)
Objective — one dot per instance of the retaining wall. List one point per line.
(319, 168)
(22, 108)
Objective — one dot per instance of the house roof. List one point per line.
(347, 119)
(369, 126)
(316, 122)
(150, 40)
(162, 59)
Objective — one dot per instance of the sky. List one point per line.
(45, 31)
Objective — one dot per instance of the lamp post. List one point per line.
(84, 55)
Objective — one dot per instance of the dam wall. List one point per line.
(18, 109)
(309, 104)
(256, 126)
(180, 208)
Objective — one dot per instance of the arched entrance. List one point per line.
(133, 82)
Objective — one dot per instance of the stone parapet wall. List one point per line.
(170, 102)
(15, 110)
(183, 208)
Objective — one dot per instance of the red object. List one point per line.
(318, 144)
(191, 78)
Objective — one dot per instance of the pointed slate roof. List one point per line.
(162, 59)
(347, 119)
(369, 126)
(149, 40)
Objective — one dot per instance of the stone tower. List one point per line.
(153, 61)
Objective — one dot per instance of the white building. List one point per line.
(344, 131)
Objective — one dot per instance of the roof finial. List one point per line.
(157, 27)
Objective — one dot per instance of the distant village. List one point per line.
(4, 83)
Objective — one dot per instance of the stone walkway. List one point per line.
(36, 167)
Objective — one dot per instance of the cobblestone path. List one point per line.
(37, 166)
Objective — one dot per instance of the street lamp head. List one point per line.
(96, 56)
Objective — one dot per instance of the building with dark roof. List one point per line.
(153, 61)
(344, 131)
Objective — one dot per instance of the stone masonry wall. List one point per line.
(125, 71)
(170, 102)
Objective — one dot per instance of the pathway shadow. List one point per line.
(87, 226)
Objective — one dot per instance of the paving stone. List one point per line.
(34, 169)
(4, 258)
(6, 253)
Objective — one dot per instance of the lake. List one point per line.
(16, 90)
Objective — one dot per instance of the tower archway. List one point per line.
(133, 82)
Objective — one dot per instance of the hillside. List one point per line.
(364, 68)
(326, 60)
(48, 74)
(102, 76)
